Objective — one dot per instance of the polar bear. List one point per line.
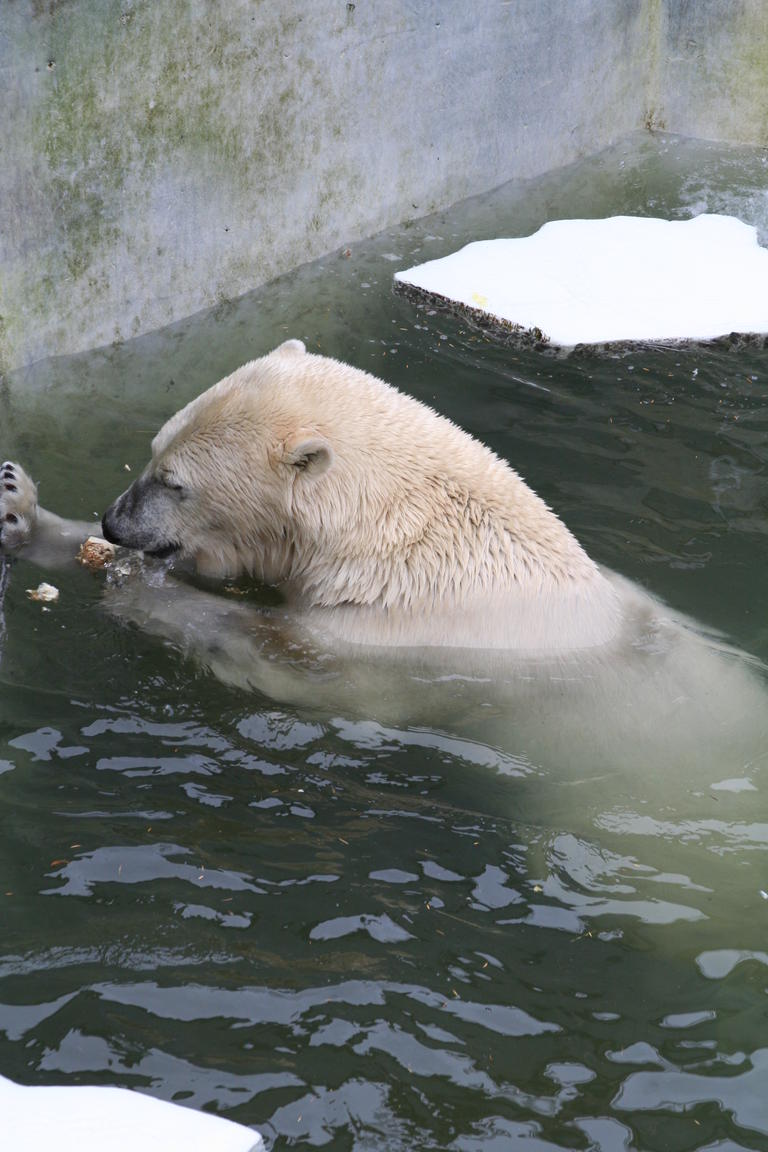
(431, 598)
(379, 519)
(413, 562)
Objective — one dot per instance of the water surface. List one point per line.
(364, 937)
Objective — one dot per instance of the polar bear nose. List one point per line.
(109, 524)
(110, 521)
(136, 520)
(106, 530)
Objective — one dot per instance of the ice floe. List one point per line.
(94, 1119)
(624, 278)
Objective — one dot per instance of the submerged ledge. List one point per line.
(618, 280)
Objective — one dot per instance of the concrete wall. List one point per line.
(157, 157)
(713, 77)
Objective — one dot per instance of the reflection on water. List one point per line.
(358, 935)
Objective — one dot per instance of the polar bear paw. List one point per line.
(18, 507)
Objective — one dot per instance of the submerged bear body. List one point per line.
(431, 600)
(423, 580)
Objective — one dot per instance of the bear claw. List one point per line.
(18, 504)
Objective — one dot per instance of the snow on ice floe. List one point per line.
(84, 1119)
(624, 278)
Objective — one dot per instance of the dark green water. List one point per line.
(363, 938)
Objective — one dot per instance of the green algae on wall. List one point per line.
(134, 167)
(160, 158)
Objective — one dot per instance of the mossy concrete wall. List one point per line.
(714, 69)
(156, 158)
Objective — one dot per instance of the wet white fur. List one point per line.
(400, 529)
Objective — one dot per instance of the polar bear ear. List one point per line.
(308, 452)
(290, 348)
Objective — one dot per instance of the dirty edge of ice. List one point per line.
(617, 279)
(91, 1119)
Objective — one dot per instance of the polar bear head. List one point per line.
(228, 473)
(310, 473)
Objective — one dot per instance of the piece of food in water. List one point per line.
(95, 553)
(46, 593)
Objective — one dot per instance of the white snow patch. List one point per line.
(624, 278)
(91, 1119)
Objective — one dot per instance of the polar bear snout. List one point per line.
(142, 519)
